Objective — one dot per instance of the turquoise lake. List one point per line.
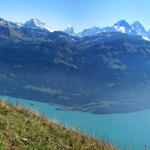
(127, 130)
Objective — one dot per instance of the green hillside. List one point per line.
(102, 74)
(21, 129)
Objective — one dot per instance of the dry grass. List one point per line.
(21, 129)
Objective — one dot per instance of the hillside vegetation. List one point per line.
(105, 73)
(22, 129)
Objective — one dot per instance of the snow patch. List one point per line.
(146, 38)
(36, 24)
(120, 28)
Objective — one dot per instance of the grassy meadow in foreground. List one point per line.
(22, 129)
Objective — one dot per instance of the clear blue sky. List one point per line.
(58, 14)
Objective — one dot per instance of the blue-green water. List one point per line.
(130, 130)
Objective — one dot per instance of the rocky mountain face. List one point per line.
(104, 73)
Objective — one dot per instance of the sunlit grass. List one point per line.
(22, 129)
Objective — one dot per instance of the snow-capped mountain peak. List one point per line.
(140, 30)
(36, 24)
(69, 30)
(138, 26)
(122, 26)
(3, 22)
(7, 23)
(90, 31)
(122, 23)
(19, 24)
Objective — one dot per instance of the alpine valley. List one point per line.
(99, 70)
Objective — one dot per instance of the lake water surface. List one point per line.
(130, 130)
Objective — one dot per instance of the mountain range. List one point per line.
(107, 72)
(121, 26)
